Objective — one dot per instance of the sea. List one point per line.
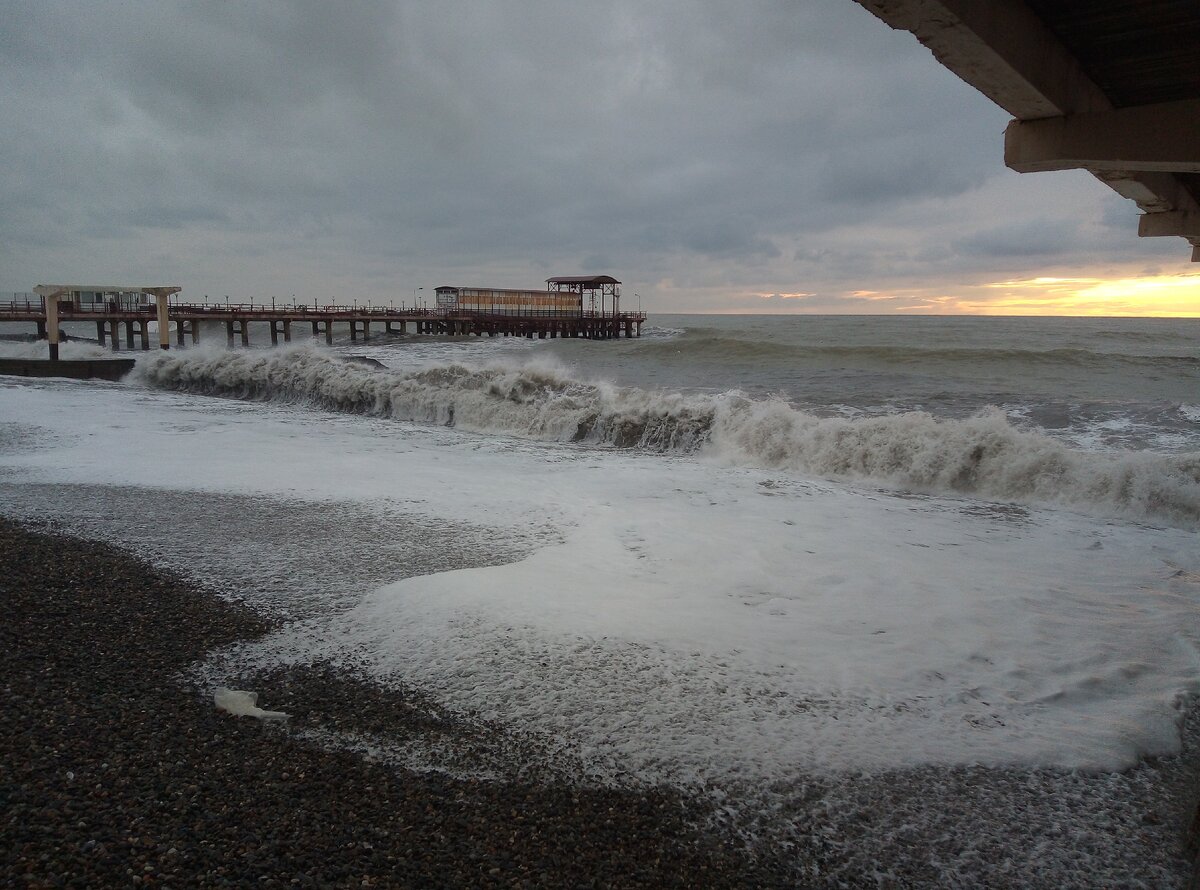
(902, 595)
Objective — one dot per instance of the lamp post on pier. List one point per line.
(415, 289)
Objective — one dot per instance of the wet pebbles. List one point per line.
(114, 770)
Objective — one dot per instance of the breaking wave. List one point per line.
(983, 455)
(719, 348)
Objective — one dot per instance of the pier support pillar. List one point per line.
(129, 335)
(191, 326)
(241, 328)
(353, 330)
(144, 333)
(52, 325)
(278, 325)
(366, 330)
(328, 327)
(114, 335)
(41, 328)
(100, 332)
(164, 322)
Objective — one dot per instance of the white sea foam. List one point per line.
(984, 455)
(736, 646)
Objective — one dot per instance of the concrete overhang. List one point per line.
(1110, 87)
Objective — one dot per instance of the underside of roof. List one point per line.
(1107, 86)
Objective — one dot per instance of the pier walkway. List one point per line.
(187, 318)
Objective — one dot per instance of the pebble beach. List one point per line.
(116, 768)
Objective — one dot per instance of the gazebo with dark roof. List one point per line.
(590, 286)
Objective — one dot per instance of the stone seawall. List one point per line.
(78, 369)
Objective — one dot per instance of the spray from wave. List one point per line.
(983, 455)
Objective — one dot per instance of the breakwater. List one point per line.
(77, 369)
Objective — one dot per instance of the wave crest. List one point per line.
(983, 455)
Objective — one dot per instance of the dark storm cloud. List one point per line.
(1033, 238)
(372, 144)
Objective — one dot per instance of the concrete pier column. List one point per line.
(287, 331)
(245, 332)
(100, 332)
(144, 333)
(52, 325)
(41, 328)
(366, 329)
(179, 325)
(164, 322)
(129, 334)
(114, 335)
(353, 330)
(329, 332)
(229, 333)
(316, 328)
(274, 333)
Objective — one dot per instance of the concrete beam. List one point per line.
(1153, 192)
(1001, 48)
(1175, 222)
(1004, 50)
(50, 291)
(1163, 138)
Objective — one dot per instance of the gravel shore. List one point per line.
(115, 769)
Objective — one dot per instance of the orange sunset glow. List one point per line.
(1173, 296)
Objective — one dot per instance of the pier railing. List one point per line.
(265, 311)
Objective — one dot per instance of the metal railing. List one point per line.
(67, 310)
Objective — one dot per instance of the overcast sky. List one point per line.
(714, 156)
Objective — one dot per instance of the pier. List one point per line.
(119, 322)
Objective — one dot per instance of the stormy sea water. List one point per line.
(912, 598)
